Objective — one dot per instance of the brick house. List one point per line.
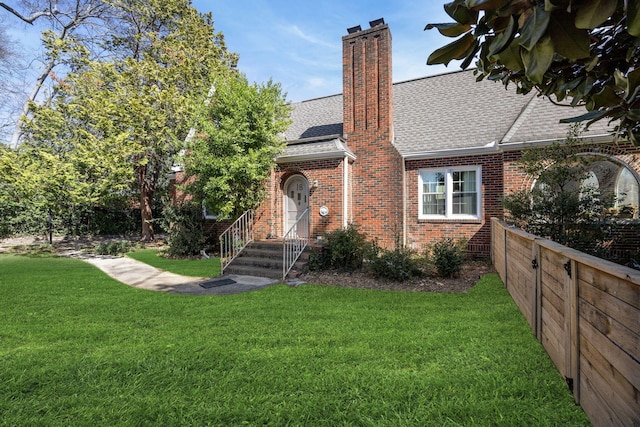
(416, 161)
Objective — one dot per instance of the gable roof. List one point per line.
(452, 111)
(315, 118)
(443, 115)
(540, 122)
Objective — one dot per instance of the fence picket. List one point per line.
(585, 311)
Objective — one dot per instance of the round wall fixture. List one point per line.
(324, 211)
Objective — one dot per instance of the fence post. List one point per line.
(536, 309)
(574, 331)
(506, 269)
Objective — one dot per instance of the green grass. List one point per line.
(78, 348)
(188, 267)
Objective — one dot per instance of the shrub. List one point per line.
(398, 265)
(184, 224)
(448, 256)
(316, 261)
(25, 218)
(107, 221)
(114, 248)
(344, 249)
(566, 205)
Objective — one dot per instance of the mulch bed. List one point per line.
(471, 272)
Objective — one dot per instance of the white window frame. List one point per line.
(448, 191)
(208, 215)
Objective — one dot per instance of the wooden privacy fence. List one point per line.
(586, 313)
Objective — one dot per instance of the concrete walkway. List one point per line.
(140, 275)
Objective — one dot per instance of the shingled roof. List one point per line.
(444, 113)
(452, 111)
(540, 122)
(316, 118)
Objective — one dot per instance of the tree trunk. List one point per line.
(146, 196)
(147, 217)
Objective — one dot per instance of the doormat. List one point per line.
(215, 283)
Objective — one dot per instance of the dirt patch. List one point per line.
(471, 272)
(64, 244)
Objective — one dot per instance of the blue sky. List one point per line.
(299, 44)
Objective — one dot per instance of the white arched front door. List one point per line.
(296, 201)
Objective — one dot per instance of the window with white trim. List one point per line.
(450, 193)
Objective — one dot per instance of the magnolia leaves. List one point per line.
(586, 52)
(633, 18)
(618, 101)
(593, 13)
(459, 49)
(538, 59)
(534, 28)
(539, 32)
(569, 41)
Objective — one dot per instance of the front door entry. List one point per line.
(296, 201)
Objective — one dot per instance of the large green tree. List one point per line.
(119, 121)
(67, 23)
(9, 59)
(232, 154)
(580, 51)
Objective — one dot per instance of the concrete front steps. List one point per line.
(264, 259)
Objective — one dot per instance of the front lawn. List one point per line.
(79, 348)
(209, 267)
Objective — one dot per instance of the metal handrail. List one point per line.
(235, 238)
(293, 244)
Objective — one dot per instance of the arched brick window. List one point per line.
(611, 177)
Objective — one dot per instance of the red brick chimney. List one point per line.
(367, 82)
(377, 202)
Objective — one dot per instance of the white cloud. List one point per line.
(295, 30)
(316, 82)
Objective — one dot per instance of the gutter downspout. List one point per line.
(404, 203)
(345, 194)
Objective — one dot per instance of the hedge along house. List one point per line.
(413, 162)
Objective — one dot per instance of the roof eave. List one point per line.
(494, 147)
(456, 152)
(591, 139)
(315, 139)
(316, 156)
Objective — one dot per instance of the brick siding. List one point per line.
(424, 232)
(377, 178)
(329, 175)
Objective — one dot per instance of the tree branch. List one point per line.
(581, 103)
(27, 19)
